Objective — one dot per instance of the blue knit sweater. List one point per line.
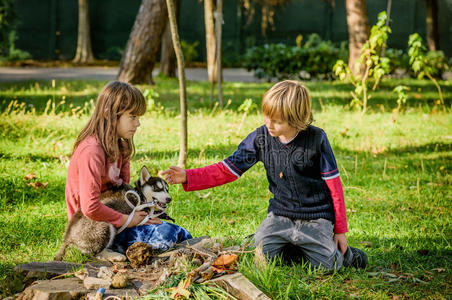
(295, 171)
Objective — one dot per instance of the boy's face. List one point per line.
(277, 127)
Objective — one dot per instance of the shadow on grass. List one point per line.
(224, 150)
(422, 93)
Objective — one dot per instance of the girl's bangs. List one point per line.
(136, 104)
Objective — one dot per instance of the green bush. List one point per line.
(189, 51)
(314, 59)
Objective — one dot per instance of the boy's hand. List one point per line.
(341, 242)
(175, 175)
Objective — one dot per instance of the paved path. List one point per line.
(106, 73)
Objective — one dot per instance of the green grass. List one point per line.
(396, 178)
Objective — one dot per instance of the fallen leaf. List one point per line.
(57, 145)
(38, 184)
(422, 252)
(30, 176)
(225, 261)
(202, 196)
(366, 244)
(181, 290)
(439, 270)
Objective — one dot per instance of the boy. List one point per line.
(302, 175)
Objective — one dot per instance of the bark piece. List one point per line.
(239, 286)
(139, 254)
(61, 289)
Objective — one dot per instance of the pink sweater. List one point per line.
(89, 174)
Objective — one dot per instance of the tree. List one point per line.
(144, 42)
(167, 56)
(219, 59)
(182, 87)
(432, 25)
(358, 31)
(210, 44)
(84, 53)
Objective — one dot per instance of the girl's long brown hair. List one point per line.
(115, 99)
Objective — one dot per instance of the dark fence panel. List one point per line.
(48, 28)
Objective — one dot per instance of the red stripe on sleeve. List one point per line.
(207, 177)
(335, 187)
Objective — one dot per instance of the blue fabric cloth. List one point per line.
(160, 236)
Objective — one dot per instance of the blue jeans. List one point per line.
(160, 236)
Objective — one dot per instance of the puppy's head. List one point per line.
(154, 189)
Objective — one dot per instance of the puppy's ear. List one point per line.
(144, 175)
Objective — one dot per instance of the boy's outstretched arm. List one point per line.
(200, 178)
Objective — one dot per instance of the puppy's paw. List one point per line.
(112, 256)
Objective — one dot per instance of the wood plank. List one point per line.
(239, 286)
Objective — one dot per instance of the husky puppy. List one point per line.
(93, 237)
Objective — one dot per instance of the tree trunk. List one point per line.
(218, 24)
(182, 88)
(358, 31)
(432, 25)
(84, 53)
(168, 57)
(144, 42)
(210, 41)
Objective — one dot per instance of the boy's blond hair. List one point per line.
(289, 100)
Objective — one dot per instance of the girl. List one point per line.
(101, 159)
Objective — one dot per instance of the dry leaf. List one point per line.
(225, 261)
(439, 270)
(423, 252)
(366, 244)
(57, 145)
(259, 258)
(202, 196)
(38, 184)
(30, 176)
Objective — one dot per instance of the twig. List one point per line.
(62, 275)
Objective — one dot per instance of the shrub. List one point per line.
(376, 66)
(313, 59)
(189, 51)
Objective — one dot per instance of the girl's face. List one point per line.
(277, 127)
(127, 125)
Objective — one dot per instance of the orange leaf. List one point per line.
(38, 184)
(30, 176)
(225, 260)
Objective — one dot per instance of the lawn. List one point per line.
(395, 169)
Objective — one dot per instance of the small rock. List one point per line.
(105, 273)
(119, 281)
(93, 283)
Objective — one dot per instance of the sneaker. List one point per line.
(359, 259)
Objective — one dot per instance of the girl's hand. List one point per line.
(341, 242)
(175, 175)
